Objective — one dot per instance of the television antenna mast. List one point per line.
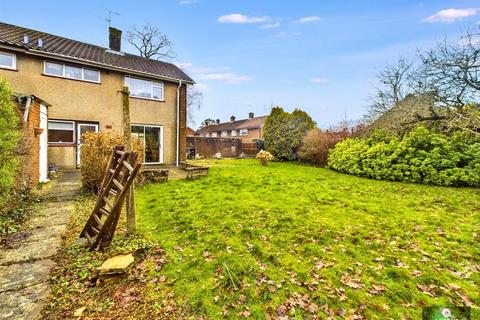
(109, 17)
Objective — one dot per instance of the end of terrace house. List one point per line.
(80, 83)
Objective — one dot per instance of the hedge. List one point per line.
(419, 156)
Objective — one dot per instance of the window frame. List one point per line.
(233, 133)
(73, 132)
(153, 84)
(64, 67)
(213, 135)
(243, 132)
(14, 61)
(224, 134)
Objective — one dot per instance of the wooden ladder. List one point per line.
(119, 175)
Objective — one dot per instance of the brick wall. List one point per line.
(29, 146)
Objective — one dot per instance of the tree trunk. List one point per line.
(127, 137)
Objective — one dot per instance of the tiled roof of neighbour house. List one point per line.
(250, 123)
(63, 48)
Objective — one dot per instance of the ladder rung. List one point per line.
(117, 184)
(99, 222)
(128, 166)
(104, 212)
(95, 230)
(113, 192)
(111, 170)
(107, 202)
(89, 239)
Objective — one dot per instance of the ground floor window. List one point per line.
(152, 138)
(60, 131)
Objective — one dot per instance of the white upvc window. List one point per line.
(145, 89)
(243, 132)
(8, 60)
(60, 131)
(233, 133)
(71, 72)
(224, 134)
(214, 134)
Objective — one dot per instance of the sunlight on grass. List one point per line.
(249, 239)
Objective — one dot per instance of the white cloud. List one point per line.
(188, 1)
(451, 15)
(240, 18)
(270, 25)
(320, 80)
(225, 77)
(309, 19)
(202, 87)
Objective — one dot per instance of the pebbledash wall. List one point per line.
(97, 102)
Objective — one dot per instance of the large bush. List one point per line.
(9, 137)
(418, 156)
(95, 153)
(284, 132)
(317, 143)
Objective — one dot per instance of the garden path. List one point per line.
(26, 257)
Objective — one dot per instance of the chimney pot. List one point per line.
(251, 115)
(217, 121)
(232, 118)
(115, 39)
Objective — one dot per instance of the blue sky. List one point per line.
(320, 56)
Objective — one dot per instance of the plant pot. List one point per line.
(264, 162)
(38, 131)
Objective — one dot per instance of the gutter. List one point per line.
(178, 124)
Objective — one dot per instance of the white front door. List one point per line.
(81, 129)
(43, 147)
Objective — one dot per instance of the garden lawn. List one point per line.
(294, 240)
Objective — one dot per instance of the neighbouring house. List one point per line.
(189, 132)
(81, 83)
(248, 130)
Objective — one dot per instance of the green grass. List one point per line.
(249, 239)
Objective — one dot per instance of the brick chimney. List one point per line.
(232, 118)
(115, 39)
(251, 115)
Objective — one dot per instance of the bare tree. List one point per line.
(150, 42)
(194, 102)
(452, 70)
(393, 88)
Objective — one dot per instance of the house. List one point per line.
(248, 130)
(81, 83)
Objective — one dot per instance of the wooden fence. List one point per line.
(228, 147)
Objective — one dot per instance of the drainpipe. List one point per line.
(178, 123)
(27, 109)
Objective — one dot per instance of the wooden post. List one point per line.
(127, 137)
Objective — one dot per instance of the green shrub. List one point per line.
(9, 137)
(284, 132)
(95, 153)
(419, 156)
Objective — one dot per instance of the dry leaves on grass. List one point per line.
(351, 282)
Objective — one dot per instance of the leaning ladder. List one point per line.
(119, 175)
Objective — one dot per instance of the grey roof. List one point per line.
(11, 35)
(249, 123)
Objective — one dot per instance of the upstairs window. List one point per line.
(71, 72)
(214, 134)
(8, 60)
(145, 89)
(244, 132)
(61, 131)
(224, 134)
(234, 133)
